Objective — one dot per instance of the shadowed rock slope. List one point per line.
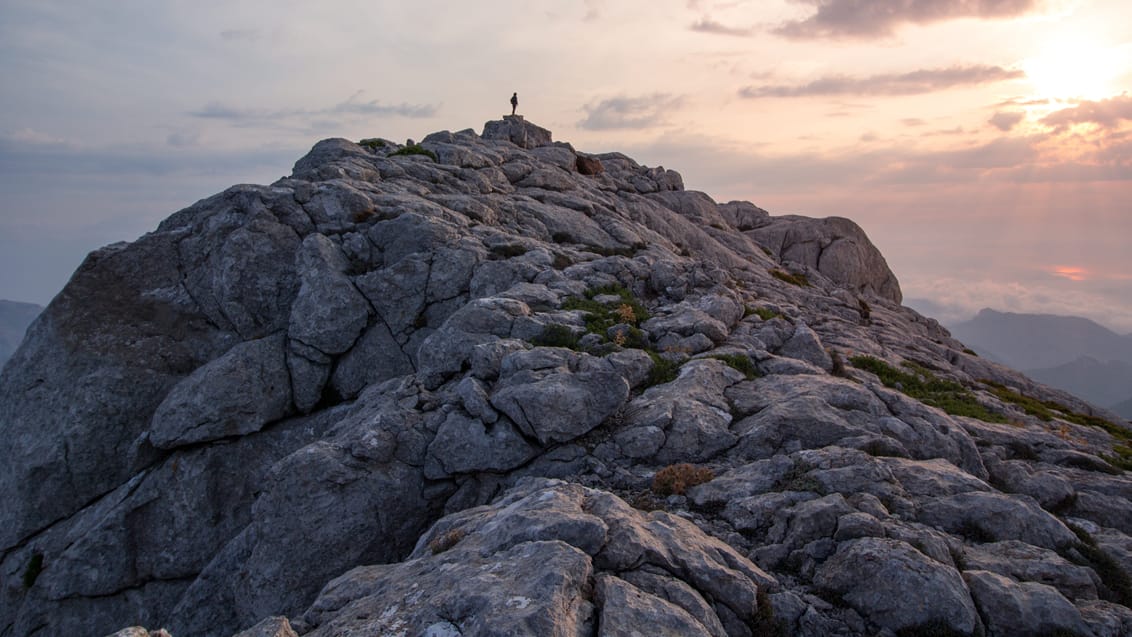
(494, 386)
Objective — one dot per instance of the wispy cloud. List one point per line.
(707, 25)
(354, 106)
(645, 111)
(879, 18)
(1107, 113)
(911, 83)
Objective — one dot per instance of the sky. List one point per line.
(985, 146)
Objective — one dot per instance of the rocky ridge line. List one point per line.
(381, 393)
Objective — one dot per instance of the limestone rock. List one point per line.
(518, 131)
(834, 246)
(1027, 608)
(234, 395)
(452, 473)
(896, 587)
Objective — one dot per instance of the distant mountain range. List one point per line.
(14, 320)
(1068, 352)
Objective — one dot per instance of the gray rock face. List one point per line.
(899, 588)
(233, 395)
(518, 131)
(539, 561)
(1026, 608)
(834, 246)
(497, 393)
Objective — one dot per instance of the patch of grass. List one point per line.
(677, 478)
(739, 362)
(799, 280)
(33, 569)
(556, 335)
(415, 149)
(921, 384)
(663, 370)
(1047, 410)
(373, 143)
(1029, 405)
(970, 352)
(1121, 457)
(765, 313)
(599, 317)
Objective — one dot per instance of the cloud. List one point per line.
(629, 112)
(952, 300)
(350, 107)
(1107, 113)
(375, 107)
(707, 25)
(879, 18)
(911, 83)
(1006, 120)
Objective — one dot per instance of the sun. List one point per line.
(1074, 70)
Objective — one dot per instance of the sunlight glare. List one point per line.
(1074, 69)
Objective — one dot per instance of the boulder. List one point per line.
(896, 587)
(834, 246)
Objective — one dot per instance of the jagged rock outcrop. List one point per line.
(457, 394)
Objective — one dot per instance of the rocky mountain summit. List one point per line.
(491, 385)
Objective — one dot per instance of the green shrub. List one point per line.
(373, 143)
(799, 280)
(740, 362)
(556, 335)
(765, 313)
(678, 478)
(663, 370)
(415, 149)
(921, 384)
(599, 317)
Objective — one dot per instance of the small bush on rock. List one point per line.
(663, 370)
(555, 335)
(678, 478)
(415, 149)
(739, 362)
(446, 540)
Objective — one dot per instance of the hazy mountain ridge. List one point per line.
(1037, 341)
(1072, 353)
(14, 320)
(493, 385)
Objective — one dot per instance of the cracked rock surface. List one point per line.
(405, 394)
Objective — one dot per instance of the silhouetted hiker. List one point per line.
(514, 102)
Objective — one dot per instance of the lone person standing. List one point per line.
(514, 102)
